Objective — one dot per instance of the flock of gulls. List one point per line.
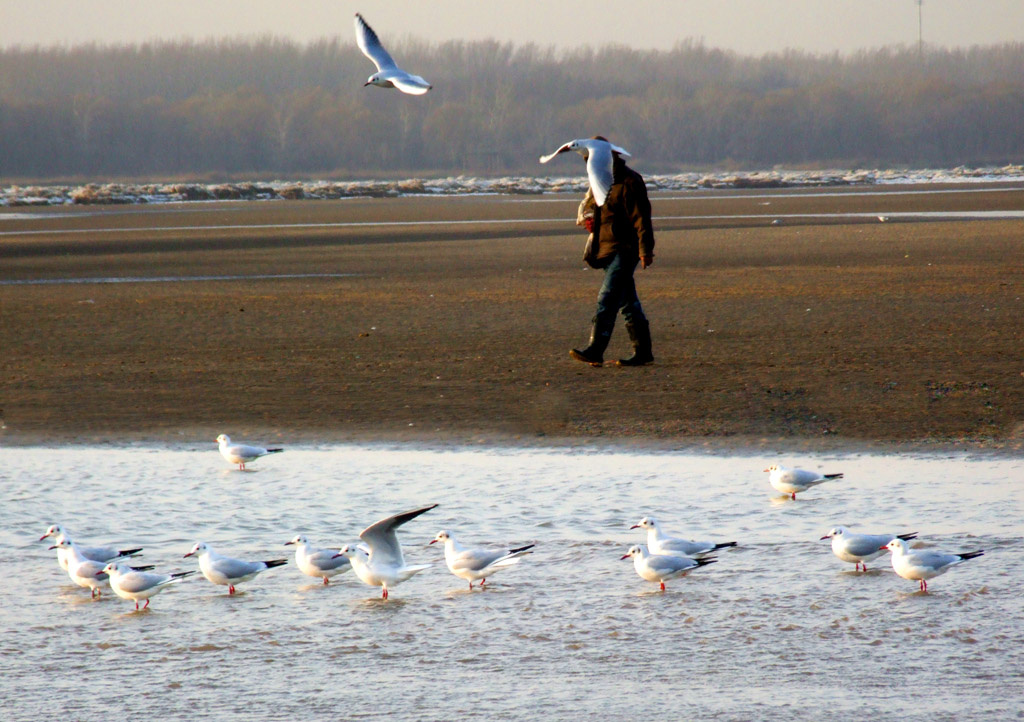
(377, 560)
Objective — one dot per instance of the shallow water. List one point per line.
(778, 629)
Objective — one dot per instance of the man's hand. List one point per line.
(645, 261)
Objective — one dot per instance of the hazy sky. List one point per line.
(747, 26)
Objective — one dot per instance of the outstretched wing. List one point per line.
(369, 43)
(599, 170)
(383, 541)
(411, 84)
(564, 148)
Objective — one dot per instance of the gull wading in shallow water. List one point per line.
(133, 585)
(315, 562)
(227, 571)
(659, 567)
(474, 564)
(96, 554)
(241, 454)
(790, 481)
(860, 548)
(658, 542)
(388, 74)
(598, 154)
(87, 572)
(384, 564)
(921, 566)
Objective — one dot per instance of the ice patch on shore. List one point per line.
(132, 193)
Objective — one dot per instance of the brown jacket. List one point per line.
(623, 223)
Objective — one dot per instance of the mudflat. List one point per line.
(777, 317)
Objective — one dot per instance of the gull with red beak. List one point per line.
(95, 553)
(315, 562)
(860, 548)
(388, 74)
(658, 542)
(599, 154)
(790, 481)
(922, 565)
(133, 585)
(384, 564)
(661, 567)
(477, 564)
(228, 571)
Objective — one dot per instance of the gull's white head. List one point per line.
(298, 539)
(351, 551)
(773, 467)
(442, 536)
(113, 568)
(375, 79)
(896, 546)
(637, 550)
(200, 548)
(54, 530)
(62, 543)
(836, 531)
(648, 522)
(223, 439)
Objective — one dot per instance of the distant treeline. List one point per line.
(274, 107)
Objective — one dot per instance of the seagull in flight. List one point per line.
(598, 154)
(388, 74)
(474, 564)
(384, 565)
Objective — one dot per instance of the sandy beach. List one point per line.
(451, 319)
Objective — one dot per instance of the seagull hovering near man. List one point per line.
(598, 153)
(388, 74)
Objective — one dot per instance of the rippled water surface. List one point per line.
(778, 629)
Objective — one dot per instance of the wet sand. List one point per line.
(452, 322)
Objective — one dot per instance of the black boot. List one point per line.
(640, 334)
(593, 354)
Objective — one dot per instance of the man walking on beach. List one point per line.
(623, 236)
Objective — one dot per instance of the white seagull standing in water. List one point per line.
(315, 562)
(135, 585)
(860, 548)
(923, 565)
(87, 572)
(241, 454)
(388, 74)
(96, 554)
(474, 564)
(790, 481)
(227, 571)
(659, 567)
(658, 542)
(384, 565)
(600, 161)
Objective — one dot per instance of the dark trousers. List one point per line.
(618, 293)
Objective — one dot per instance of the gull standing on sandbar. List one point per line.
(241, 454)
(923, 565)
(228, 571)
(315, 562)
(388, 74)
(659, 567)
(474, 564)
(860, 548)
(384, 565)
(133, 585)
(790, 481)
(658, 542)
